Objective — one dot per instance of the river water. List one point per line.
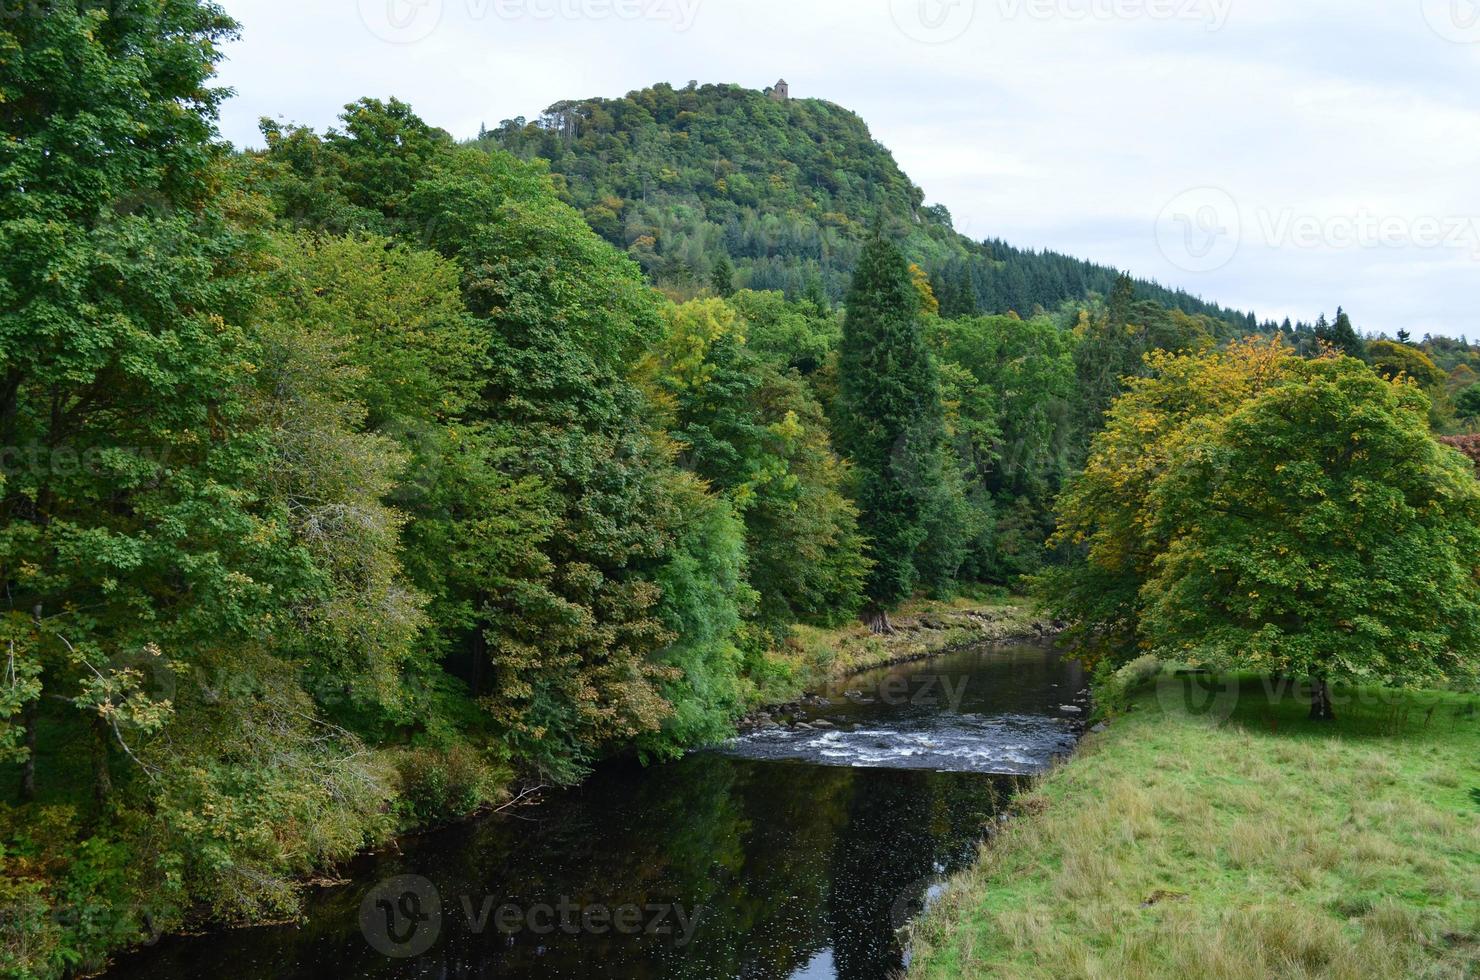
(793, 852)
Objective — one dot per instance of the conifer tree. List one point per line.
(1341, 335)
(723, 278)
(889, 421)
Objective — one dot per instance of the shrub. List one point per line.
(1114, 687)
(445, 784)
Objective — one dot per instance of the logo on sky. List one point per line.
(401, 917)
(933, 21)
(401, 21)
(1454, 20)
(1200, 229)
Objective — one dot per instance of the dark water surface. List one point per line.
(788, 854)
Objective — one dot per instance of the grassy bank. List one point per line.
(1235, 841)
(813, 659)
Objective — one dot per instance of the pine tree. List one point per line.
(889, 421)
(1341, 335)
(723, 278)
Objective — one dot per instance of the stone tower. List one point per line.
(781, 92)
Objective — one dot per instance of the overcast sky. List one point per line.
(1284, 156)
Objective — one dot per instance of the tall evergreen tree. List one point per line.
(889, 421)
(1341, 335)
(723, 278)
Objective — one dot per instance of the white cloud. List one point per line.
(1066, 124)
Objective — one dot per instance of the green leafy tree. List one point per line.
(1008, 386)
(705, 597)
(758, 436)
(129, 539)
(1320, 531)
(1250, 510)
(1104, 513)
(1391, 360)
(889, 421)
(552, 503)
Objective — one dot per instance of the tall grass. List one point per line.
(1245, 843)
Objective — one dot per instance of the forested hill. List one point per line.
(784, 189)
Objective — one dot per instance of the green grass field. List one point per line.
(1234, 839)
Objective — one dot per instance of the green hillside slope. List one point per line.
(786, 190)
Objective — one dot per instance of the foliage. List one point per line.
(1008, 386)
(704, 599)
(348, 480)
(1250, 509)
(1467, 405)
(437, 785)
(756, 434)
(787, 192)
(1105, 511)
(1340, 335)
(889, 421)
(1391, 360)
(1114, 685)
(1343, 543)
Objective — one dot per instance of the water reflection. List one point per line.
(720, 867)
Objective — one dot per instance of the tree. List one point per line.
(551, 512)
(889, 421)
(759, 438)
(929, 305)
(723, 278)
(1248, 510)
(1392, 360)
(1008, 385)
(1468, 402)
(1340, 335)
(129, 544)
(1320, 531)
(1105, 514)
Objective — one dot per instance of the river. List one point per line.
(793, 852)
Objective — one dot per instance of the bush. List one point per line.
(1113, 687)
(446, 784)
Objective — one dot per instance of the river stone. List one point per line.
(1069, 709)
(823, 723)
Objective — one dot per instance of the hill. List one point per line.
(786, 190)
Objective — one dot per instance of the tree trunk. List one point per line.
(480, 654)
(878, 622)
(1320, 699)
(102, 779)
(28, 768)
